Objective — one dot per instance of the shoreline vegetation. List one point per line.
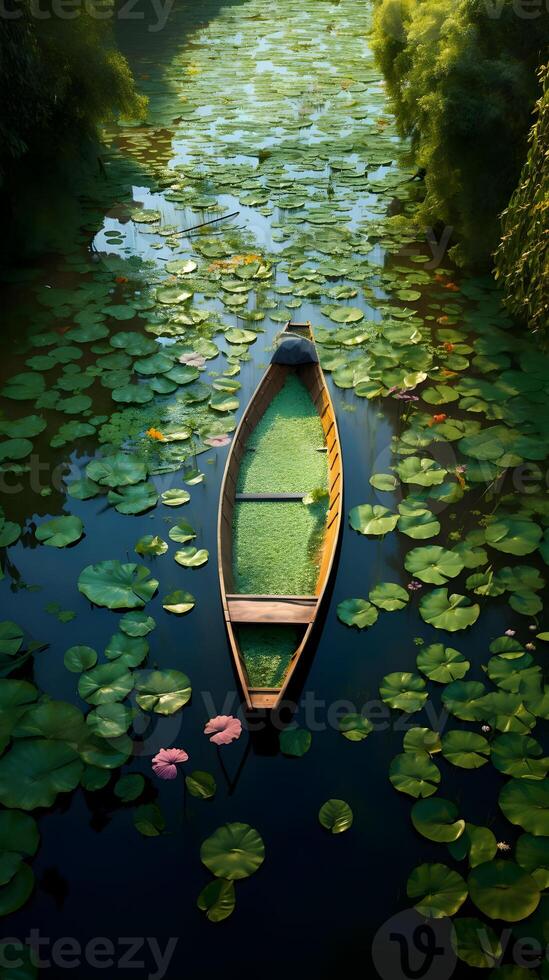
(463, 83)
(62, 80)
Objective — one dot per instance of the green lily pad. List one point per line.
(175, 497)
(117, 586)
(437, 820)
(414, 773)
(475, 943)
(149, 820)
(433, 564)
(105, 684)
(448, 612)
(233, 852)
(110, 720)
(120, 470)
(80, 658)
(179, 602)
(357, 612)
(128, 650)
(217, 900)
(526, 804)
(442, 664)
(134, 499)
(355, 727)
(35, 771)
(421, 472)
(60, 531)
(513, 536)
(136, 624)
(182, 532)
(374, 520)
(403, 691)
(519, 756)
(436, 890)
(389, 596)
(191, 557)
(11, 638)
(384, 481)
(201, 784)
(532, 854)
(465, 749)
(295, 741)
(336, 816)
(503, 890)
(129, 787)
(151, 544)
(162, 691)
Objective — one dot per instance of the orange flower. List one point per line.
(121, 279)
(156, 434)
(443, 319)
(448, 346)
(437, 419)
(448, 374)
(452, 287)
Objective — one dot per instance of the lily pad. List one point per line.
(465, 749)
(233, 852)
(448, 612)
(526, 804)
(433, 564)
(389, 596)
(60, 531)
(295, 741)
(403, 691)
(191, 557)
(129, 787)
(336, 816)
(201, 784)
(374, 520)
(503, 890)
(179, 602)
(79, 658)
(217, 900)
(355, 727)
(105, 684)
(414, 773)
(117, 586)
(437, 820)
(35, 771)
(442, 664)
(120, 470)
(436, 890)
(162, 691)
(357, 612)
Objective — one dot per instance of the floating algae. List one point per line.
(267, 651)
(277, 544)
(283, 452)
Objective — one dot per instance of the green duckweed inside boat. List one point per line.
(278, 544)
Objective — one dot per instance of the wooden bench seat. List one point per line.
(272, 609)
(269, 496)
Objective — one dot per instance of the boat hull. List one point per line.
(301, 612)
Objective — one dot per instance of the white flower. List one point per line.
(503, 846)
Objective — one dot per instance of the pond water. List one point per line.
(136, 336)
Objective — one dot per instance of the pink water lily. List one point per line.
(510, 632)
(165, 763)
(193, 359)
(223, 729)
(217, 441)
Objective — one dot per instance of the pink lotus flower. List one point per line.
(223, 729)
(193, 360)
(217, 441)
(510, 632)
(413, 586)
(165, 763)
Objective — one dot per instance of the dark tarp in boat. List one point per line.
(295, 350)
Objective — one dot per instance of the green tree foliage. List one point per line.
(522, 260)
(60, 80)
(462, 78)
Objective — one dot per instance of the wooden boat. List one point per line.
(298, 611)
